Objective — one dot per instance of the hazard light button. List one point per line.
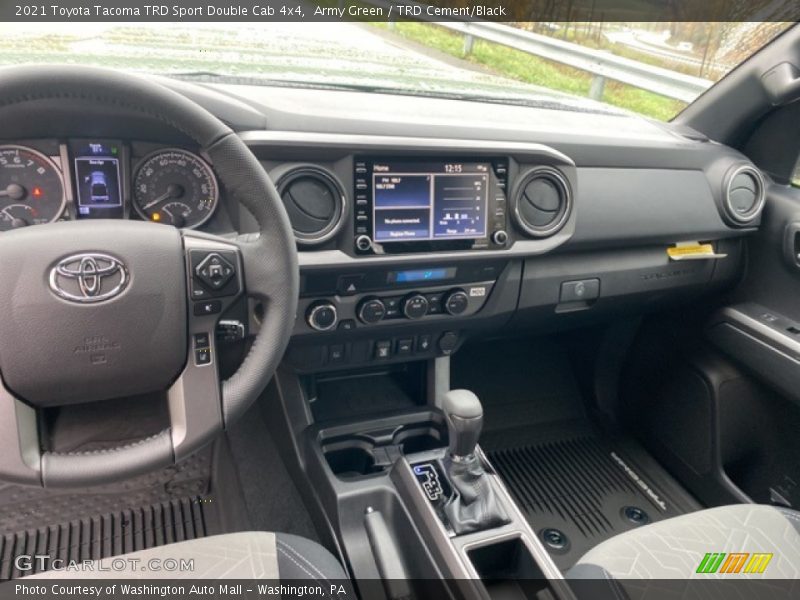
(350, 284)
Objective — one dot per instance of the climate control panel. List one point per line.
(344, 313)
(417, 305)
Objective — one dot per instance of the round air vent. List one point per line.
(744, 194)
(315, 203)
(543, 202)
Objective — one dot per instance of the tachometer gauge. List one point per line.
(31, 191)
(176, 187)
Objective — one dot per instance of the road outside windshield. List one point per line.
(680, 60)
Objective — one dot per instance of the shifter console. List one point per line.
(458, 486)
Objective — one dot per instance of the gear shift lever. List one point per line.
(473, 505)
(464, 415)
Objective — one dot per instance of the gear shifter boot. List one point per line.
(473, 505)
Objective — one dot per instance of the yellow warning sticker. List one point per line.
(692, 251)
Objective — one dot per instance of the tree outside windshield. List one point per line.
(411, 57)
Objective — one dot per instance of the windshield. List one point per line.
(654, 69)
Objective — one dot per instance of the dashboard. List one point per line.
(42, 181)
(419, 222)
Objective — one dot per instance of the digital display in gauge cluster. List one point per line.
(98, 189)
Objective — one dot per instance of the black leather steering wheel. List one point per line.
(147, 322)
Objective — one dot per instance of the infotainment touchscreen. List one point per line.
(419, 201)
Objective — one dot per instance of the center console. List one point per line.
(392, 460)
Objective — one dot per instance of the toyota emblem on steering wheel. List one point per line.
(88, 277)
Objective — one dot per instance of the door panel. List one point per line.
(759, 330)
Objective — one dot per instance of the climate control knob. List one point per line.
(371, 310)
(456, 302)
(322, 316)
(415, 306)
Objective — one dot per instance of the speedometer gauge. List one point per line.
(31, 191)
(176, 187)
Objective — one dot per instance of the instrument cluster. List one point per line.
(45, 181)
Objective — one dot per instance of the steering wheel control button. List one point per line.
(415, 306)
(230, 331)
(584, 290)
(202, 340)
(202, 357)
(448, 342)
(371, 310)
(213, 274)
(456, 302)
(214, 271)
(383, 349)
(212, 307)
(322, 316)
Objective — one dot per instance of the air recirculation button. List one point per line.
(542, 202)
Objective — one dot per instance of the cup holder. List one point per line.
(352, 462)
(413, 441)
(351, 455)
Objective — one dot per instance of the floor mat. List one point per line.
(271, 498)
(105, 535)
(27, 507)
(577, 489)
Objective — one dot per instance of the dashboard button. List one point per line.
(350, 284)
(383, 349)
(392, 307)
(363, 243)
(580, 291)
(423, 343)
(336, 353)
(500, 237)
(347, 325)
(415, 306)
(456, 302)
(405, 346)
(322, 316)
(434, 303)
(371, 310)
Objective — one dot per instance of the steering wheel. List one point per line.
(95, 310)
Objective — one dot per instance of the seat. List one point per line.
(244, 555)
(675, 548)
